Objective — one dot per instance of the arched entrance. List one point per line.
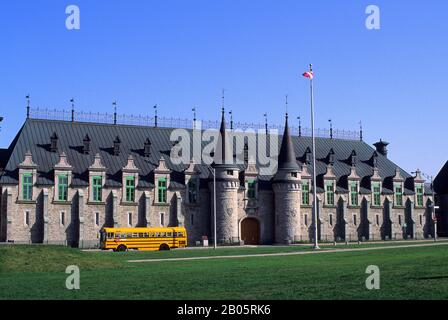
(250, 231)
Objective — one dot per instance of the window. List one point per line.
(306, 219)
(192, 191)
(27, 188)
(377, 220)
(419, 194)
(353, 193)
(421, 219)
(62, 218)
(130, 189)
(399, 220)
(63, 187)
(294, 174)
(97, 219)
(27, 218)
(305, 193)
(97, 183)
(354, 220)
(161, 190)
(329, 188)
(398, 189)
(192, 219)
(130, 219)
(376, 190)
(331, 219)
(251, 189)
(162, 219)
(230, 172)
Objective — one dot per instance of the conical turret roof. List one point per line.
(287, 157)
(224, 150)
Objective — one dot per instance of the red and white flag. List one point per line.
(309, 74)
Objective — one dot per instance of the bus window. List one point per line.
(129, 235)
(140, 235)
(146, 235)
(169, 234)
(162, 234)
(151, 235)
(135, 235)
(157, 235)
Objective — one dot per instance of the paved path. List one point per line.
(292, 253)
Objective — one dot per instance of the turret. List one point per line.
(286, 187)
(227, 184)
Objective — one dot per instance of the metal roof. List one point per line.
(35, 137)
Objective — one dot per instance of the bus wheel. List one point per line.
(121, 248)
(164, 247)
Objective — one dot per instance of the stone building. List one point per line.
(62, 181)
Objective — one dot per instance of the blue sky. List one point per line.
(180, 54)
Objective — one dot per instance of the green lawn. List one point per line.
(38, 272)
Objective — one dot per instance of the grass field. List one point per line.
(38, 272)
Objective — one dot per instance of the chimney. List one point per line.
(147, 148)
(86, 144)
(381, 147)
(353, 158)
(54, 142)
(117, 143)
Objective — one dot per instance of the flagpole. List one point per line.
(313, 138)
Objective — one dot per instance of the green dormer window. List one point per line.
(130, 189)
(376, 191)
(354, 193)
(329, 191)
(251, 189)
(398, 192)
(27, 186)
(419, 194)
(161, 190)
(305, 193)
(97, 188)
(63, 187)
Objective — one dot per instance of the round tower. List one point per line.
(227, 184)
(287, 188)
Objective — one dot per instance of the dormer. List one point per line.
(353, 158)
(251, 181)
(419, 188)
(27, 178)
(162, 180)
(62, 179)
(54, 142)
(129, 180)
(97, 180)
(329, 186)
(398, 185)
(305, 185)
(192, 182)
(308, 155)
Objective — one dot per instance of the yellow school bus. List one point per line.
(122, 239)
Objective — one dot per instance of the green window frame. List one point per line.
(251, 189)
(63, 187)
(376, 190)
(161, 190)
(130, 189)
(329, 190)
(354, 193)
(305, 193)
(27, 186)
(192, 191)
(97, 188)
(398, 191)
(419, 193)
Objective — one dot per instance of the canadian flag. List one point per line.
(309, 74)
